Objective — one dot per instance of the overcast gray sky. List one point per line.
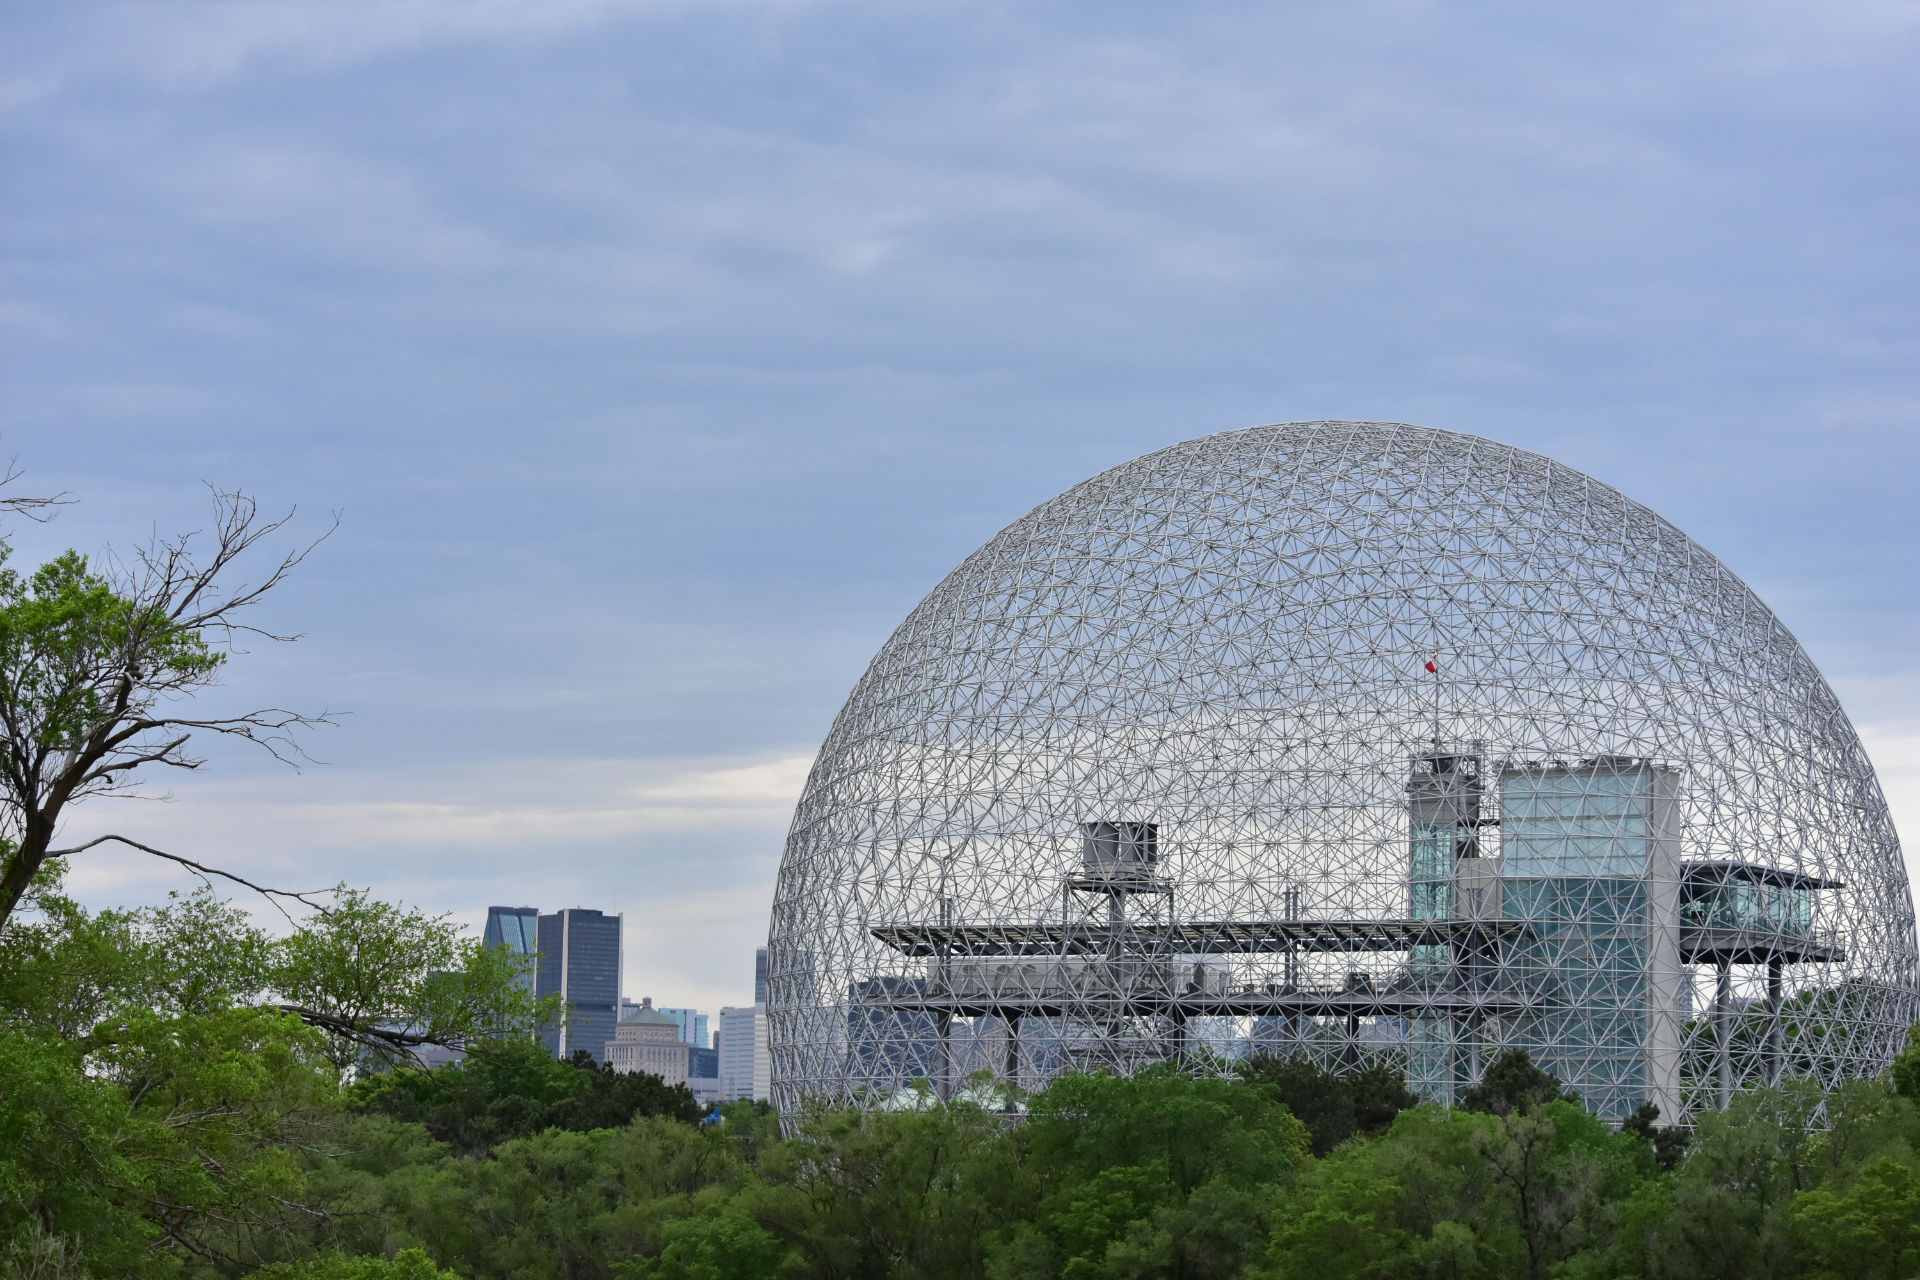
(659, 356)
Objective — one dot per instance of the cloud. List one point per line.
(686, 849)
(478, 807)
(201, 42)
(1895, 752)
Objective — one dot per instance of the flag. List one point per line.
(1433, 663)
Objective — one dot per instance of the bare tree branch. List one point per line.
(305, 897)
(363, 1031)
(94, 666)
(37, 509)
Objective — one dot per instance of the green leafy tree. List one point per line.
(1731, 1194)
(1668, 1142)
(1417, 1201)
(516, 1089)
(1555, 1171)
(165, 1090)
(97, 675)
(1906, 1067)
(1161, 1173)
(912, 1192)
(1333, 1107)
(1513, 1083)
(724, 1247)
(408, 1264)
(1871, 1231)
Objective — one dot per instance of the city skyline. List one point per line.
(650, 408)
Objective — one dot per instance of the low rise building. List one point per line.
(648, 1040)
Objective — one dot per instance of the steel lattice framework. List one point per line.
(1340, 739)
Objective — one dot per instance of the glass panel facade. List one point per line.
(1432, 887)
(1574, 823)
(580, 962)
(1730, 899)
(1588, 946)
(517, 930)
(1589, 860)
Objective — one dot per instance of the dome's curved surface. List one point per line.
(1162, 768)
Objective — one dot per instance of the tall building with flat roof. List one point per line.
(746, 1069)
(580, 963)
(515, 930)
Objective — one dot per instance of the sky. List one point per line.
(659, 356)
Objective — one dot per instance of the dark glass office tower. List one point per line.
(580, 963)
(760, 976)
(516, 929)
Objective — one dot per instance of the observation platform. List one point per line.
(1699, 943)
(1192, 938)
(1707, 944)
(1339, 1003)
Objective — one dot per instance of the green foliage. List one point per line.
(719, 1248)
(1197, 1127)
(63, 630)
(1332, 1107)
(1157, 1173)
(514, 1089)
(159, 1096)
(1871, 1231)
(1669, 1143)
(363, 964)
(98, 670)
(910, 1192)
(1514, 1083)
(1906, 1067)
(408, 1264)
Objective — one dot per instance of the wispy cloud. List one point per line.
(687, 849)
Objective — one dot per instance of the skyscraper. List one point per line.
(760, 976)
(516, 930)
(580, 963)
(746, 1069)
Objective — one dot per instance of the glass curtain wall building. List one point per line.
(1580, 865)
(580, 962)
(515, 930)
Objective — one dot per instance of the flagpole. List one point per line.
(1434, 667)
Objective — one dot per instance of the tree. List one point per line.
(718, 1248)
(1333, 1107)
(1906, 1067)
(1872, 1231)
(1318, 1098)
(1554, 1168)
(408, 1264)
(159, 1092)
(1418, 1201)
(1669, 1142)
(98, 671)
(518, 1089)
(1161, 1173)
(1514, 1083)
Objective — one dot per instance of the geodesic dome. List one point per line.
(1343, 740)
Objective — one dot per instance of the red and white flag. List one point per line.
(1433, 663)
